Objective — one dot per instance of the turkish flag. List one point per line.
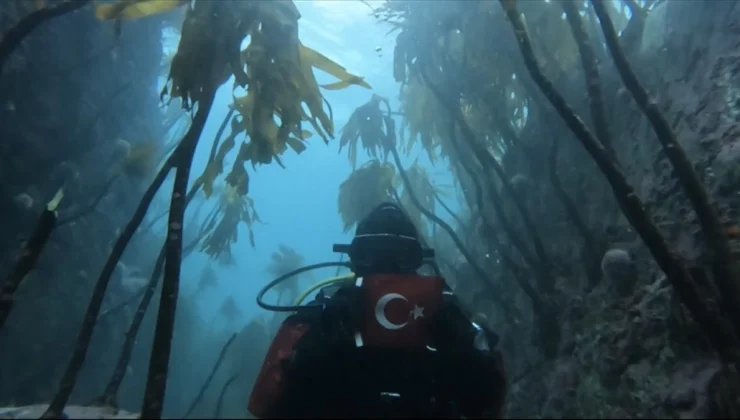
(399, 309)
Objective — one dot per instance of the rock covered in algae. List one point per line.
(72, 411)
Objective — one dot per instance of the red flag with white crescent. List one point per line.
(399, 309)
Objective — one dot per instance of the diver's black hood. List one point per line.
(387, 218)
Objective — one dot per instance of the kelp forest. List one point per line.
(591, 218)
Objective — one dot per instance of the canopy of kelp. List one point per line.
(443, 43)
(461, 44)
(276, 72)
(368, 127)
(457, 47)
(364, 189)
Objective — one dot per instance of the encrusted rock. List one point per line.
(688, 398)
(562, 390)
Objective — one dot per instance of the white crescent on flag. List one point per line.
(380, 311)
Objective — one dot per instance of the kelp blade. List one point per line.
(135, 9)
(321, 62)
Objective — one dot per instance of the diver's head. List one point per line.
(387, 219)
(386, 241)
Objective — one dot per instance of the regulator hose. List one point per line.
(278, 308)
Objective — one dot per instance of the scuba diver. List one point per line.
(384, 343)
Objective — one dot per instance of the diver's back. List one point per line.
(387, 346)
(374, 383)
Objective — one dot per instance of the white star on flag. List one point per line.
(417, 312)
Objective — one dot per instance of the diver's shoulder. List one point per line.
(329, 291)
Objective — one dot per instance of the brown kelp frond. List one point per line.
(216, 165)
(285, 69)
(208, 53)
(289, 85)
(134, 9)
(422, 118)
(281, 90)
(366, 126)
(363, 190)
(222, 227)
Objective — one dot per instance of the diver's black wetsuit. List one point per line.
(327, 372)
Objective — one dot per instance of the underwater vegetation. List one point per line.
(591, 220)
(208, 54)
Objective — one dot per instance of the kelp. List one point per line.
(233, 208)
(719, 329)
(109, 396)
(390, 142)
(291, 85)
(554, 44)
(277, 72)
(266, 141)
(284, 260)
(366, 126)
(199, 67)
(84, 337)
(202, 392)
(13, 37)
(723, 261)
(364, 189)
(421, 110)
(216, 165)
(134, 9)
(405, 17)
(284, 66)
(457, 58)
(369, 126)
(208, 53)
(29, 255)
(425, 190)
